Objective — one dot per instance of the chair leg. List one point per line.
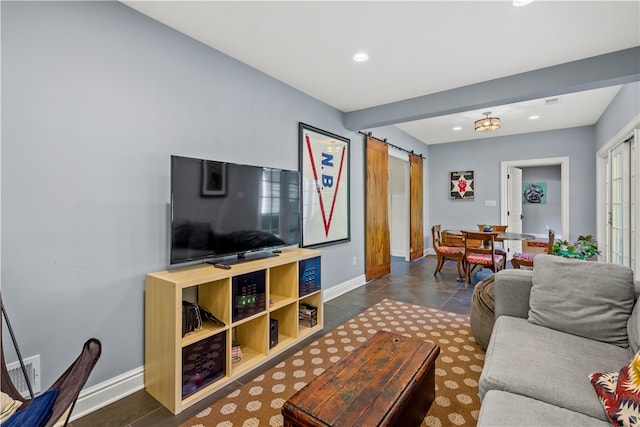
(459, 266)
(467, 276)
(439, 264)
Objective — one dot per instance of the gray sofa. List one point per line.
(554, 326)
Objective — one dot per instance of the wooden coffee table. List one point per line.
(388, 381)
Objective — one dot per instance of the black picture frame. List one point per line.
(214, 178)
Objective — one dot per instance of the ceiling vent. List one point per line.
(550, 101)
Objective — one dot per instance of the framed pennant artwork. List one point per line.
(462, 185)
(324, 167)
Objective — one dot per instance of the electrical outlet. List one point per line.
(355, 260)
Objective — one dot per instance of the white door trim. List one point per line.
(564, 186)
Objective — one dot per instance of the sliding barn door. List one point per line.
(416, 233)
(377, 240)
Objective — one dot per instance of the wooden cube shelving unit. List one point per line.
(164, 343)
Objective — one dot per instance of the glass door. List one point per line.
(621, 189)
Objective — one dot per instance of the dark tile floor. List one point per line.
(410, 282)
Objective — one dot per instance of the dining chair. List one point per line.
(483, 256)
(525, 259)
(501, 229)
(443, 252)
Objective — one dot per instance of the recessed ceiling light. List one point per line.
(518, 3)
(457, 128)
(534, 117)
(360, 57)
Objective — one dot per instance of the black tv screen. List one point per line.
(219, 209)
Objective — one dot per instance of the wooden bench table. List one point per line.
(388, 381)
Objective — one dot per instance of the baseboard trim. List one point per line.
(100, 395)
(343, 288)
(399, 253)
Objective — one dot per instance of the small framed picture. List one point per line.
(462, 185)
(214, 178)
(534, 193)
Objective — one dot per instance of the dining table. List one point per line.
(509, 235)
(500, 237)
(454, 238)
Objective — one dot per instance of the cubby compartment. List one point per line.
(214, 296)
(258, 301)
(248, 295)
(313, 300)
(309, 279)
(203, 363)
(252, 338)
(282, 285)
(287, 325)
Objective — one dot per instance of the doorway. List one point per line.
(399, 203)
(505, 195)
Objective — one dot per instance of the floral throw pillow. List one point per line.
(619, 393)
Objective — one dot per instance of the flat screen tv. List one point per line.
(221, 209)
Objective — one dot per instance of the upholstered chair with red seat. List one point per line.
(483, 256)
(499, 228)
(525, 259)
(443, 252)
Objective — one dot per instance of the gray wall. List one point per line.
(624, 108)
(484, 157)
(539, 218)
(95, 99)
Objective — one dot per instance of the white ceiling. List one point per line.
(415, 48)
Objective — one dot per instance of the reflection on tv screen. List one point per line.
(220, 209)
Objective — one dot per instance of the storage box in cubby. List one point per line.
(203, 363)
(308, 315)
(309, 280)
(248, 294)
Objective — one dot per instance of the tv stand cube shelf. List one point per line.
(180, 371)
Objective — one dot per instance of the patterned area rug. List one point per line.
(458, 368)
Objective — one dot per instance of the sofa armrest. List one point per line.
(511, 293)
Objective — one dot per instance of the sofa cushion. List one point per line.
(502, 409)
(619, 393)
(585, 298)
(547, 365)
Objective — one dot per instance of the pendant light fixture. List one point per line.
(488, 123)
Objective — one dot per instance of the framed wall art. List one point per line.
(214, 178)
(462, 185)
(324, 167)
(534, 193)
